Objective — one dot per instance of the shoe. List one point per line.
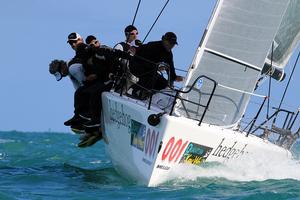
(78, 129)
(73, 121)
(92, 130)
(89, 141)
(85, 136)
(85, 117)
(92, 123)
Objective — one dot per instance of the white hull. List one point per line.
(147, 154)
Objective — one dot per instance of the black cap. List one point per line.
(171, 37)
(89, 39)
(129, 28)
(73, 37)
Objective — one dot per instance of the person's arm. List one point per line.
(76, 71)
(173, 76)
(106, 51)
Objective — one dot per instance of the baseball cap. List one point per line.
(73, 37)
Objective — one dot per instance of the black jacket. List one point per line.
(148, 56)
(82, 54)
(104, 61)
(100, 61)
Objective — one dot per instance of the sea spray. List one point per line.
(246, 168)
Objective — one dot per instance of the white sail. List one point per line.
(287, 37)
(233, 52)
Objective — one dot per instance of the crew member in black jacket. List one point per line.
(152, 57)
(79, 60)
(100, 70)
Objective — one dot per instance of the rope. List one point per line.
(270, 81)
(155, 21)
(287, 84)
(136, 11)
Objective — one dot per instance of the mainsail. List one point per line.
(232, 52)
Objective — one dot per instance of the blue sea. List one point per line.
(50, 166)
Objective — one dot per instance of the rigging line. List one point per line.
(136, 11)
(155, 21)
(283, 96)
(270, 81)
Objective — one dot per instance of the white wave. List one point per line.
(245, 169)
(3, 141)
(100, 161)
(96, 162)
(2, 155)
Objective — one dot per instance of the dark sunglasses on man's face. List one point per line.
(95, 42)
(72, 42)
(132, 33)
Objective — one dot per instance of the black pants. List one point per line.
(81, 101)
(151, 81)
(95, 103)
(88, 99)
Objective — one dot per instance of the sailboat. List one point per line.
(200, 123)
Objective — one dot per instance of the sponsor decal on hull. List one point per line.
(118, 116)
(195, 154)
(151, 143)
(150, 146)
(163, 167)
(138, 132)
(173, 150)
(146, 142)
(229, 151)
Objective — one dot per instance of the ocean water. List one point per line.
(50, 166)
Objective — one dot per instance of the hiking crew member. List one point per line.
(152, 57)
(131, 42)
(99, 70)
(129, 45)
(60, 69)
(80, 60)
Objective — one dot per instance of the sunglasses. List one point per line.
(72, 42)
(132, 33)
(95, 42)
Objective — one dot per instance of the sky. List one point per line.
(34, 32)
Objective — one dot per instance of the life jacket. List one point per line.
(125, 46)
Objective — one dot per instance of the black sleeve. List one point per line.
(83, 52)
(108, 52)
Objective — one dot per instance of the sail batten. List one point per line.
(232, 59)
(233, 52)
